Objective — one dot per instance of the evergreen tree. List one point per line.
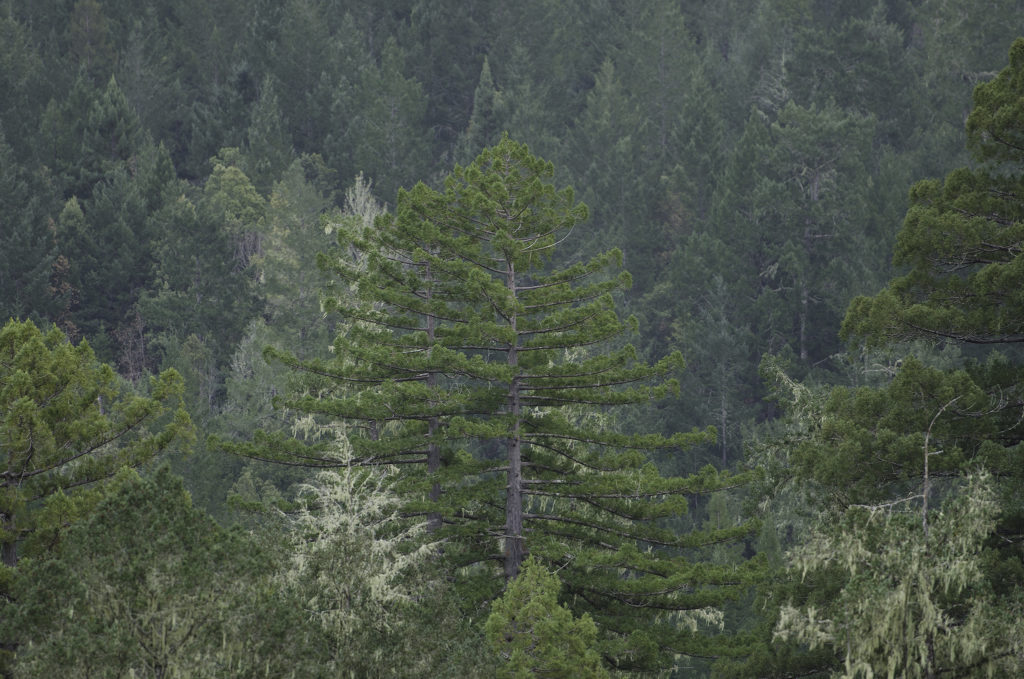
(108, 243)
(536, 635)
(716, 385)
(199, 290)
(306, 62)
(682, 136)
(877, 475)
(958, 48)
(545, 55)
(959, 240)
(445, 41)
(523, 107)
(891, 465)
(858, 57)
(28, 247)
(915, 602)
(149, 586)
(380, 608)
(219, 119)
(22, 89)
(484, 126)
(154, 89)
(268, 149)
(795, 207)
(608, 144)
(295, 233)
(88, 39)
(233, 202)
(68, 424)
(67, 427)
(385, 126)
(460, 335)
(62, 128)
(113, 137)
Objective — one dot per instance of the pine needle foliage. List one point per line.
(491, 377)
(67, 424)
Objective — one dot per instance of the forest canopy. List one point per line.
(684, 333)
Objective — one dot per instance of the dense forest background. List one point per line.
(169, 171)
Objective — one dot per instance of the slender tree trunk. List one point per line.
(9, 547)
(9, 556)
(723, 421)
(804, 305)
(929, 671)
(514, 548)
(433, 449)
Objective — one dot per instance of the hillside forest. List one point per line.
(551, 338)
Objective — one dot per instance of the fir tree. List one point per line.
(483, 128)
(27, 241)
(539, 637)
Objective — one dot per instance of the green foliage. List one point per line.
(484, 126)
(294, 234)
(309, 60)
(644, 107)
(960, 240)
(792, 213)
(149, 586)
(537, 636)
(21, 76)
(268, 150)
(62, 126)
(204, 287)
(951, 63)
(467, 359)
(107, 281)
(382, 136)
(88, 37)
(242, 386)
(68, 424)
(918, 591)
(28, 249)
(113, 136)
